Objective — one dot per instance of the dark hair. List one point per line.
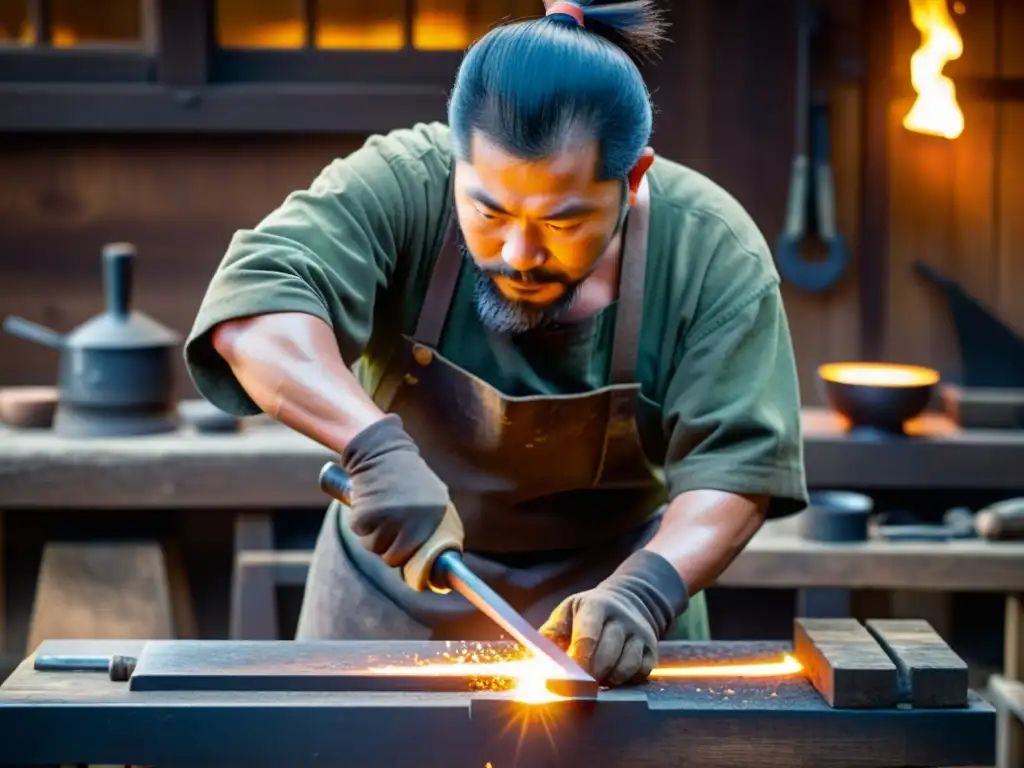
(528, 84)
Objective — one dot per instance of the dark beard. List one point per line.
(501, 315)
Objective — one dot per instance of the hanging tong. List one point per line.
(811, 206)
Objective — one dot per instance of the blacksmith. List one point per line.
(527, 313)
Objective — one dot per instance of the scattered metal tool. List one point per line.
(118, 668)
(448, 571)
(811, 185)
(1003, 520)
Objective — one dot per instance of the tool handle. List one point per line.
(1002, 520)
(796, 203)
(418, 571)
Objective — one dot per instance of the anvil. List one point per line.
(886, 695)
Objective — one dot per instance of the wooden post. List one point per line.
(1009, 728)
(253, 590)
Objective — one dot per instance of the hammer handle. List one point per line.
(418, 572)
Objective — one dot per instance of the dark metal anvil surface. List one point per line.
(84, 717)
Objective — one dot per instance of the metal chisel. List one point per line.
(118, 668)
(445, 569)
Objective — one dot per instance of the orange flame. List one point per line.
(935, 111)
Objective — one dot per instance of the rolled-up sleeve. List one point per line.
(732, 406)
(326, 251)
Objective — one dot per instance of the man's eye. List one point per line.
(486, 214)
(563, 227)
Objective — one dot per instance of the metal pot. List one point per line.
(117, 369)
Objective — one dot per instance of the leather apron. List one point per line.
(554, 491)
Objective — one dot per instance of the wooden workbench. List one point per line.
(266, 465)
(78, 718)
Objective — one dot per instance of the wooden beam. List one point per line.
(1007, 694)
(845, 663)
(266, 465)
(333, 108)
(930, 674)
(782, 560)
(874, 186)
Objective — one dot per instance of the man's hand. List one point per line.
(397, 500)
(613, 630)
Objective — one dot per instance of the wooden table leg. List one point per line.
(1010, 730)
(824, 603)
(3, 589)
(186, 625)
(253, 590)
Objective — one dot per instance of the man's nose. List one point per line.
(522, 250)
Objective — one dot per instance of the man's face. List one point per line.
(534, 229)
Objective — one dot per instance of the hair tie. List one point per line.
(570, 11)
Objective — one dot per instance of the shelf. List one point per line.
(241, 108)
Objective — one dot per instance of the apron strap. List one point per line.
(633, 270)
(443, 279)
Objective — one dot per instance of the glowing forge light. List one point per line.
(935, 111)
(527, 678)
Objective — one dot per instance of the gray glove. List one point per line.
(397, 501)
(613, 630)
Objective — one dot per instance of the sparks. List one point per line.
(526, 677)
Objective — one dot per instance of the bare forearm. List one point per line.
(702, 532)
(290, 366)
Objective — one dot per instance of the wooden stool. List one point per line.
(109, 591)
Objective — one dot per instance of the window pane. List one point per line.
(260, 24)
(14, 23)
(98, 21)
(361, 24)
(445, 25)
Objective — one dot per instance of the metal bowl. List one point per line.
(836, 516)
(880, 397)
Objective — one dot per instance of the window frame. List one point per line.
(180, 81)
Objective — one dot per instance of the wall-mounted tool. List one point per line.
(440, 565)
(811, 205)
(117, 369)
(991, 351)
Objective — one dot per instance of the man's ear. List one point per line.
(636, 173)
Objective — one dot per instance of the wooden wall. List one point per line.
(724, 91)
(958, 204)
